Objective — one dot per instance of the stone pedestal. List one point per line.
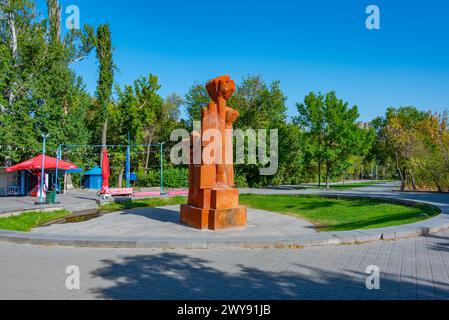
(195, 217)
(221, 211)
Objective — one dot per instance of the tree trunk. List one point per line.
(13, 44)
(412, 177)
(54, 14)
(327, 175)
(120, 177)
(147, 155)
(319, 175)
(400, 172)
(437, 183)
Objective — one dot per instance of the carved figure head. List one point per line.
(221, 87)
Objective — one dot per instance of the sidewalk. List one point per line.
(74, 200)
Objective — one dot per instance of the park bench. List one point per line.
(121, 192)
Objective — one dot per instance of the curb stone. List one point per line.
(307, 241)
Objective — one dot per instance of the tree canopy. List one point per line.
(40, 92)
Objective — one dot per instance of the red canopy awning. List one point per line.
(36, 164)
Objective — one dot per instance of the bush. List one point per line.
(150, 179)
(173, 178)
(240, 181)
(176, 178)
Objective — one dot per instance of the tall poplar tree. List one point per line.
(105, 83)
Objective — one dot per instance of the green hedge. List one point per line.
(173, 178)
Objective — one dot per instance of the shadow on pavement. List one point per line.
(179, 276)
(159, 214)
(442, 246)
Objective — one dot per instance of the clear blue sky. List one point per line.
(318, 45)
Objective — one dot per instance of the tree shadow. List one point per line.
(308, 206)
(442, 246)
(175, 276)
(158, 214)
(393, 220)
(84, 198)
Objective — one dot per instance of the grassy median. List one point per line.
(27, 221)
(341, 214)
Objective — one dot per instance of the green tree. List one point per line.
(397, 134)
(262, 106)
(331, 131)
(195, 100)
(35, 67)
(142, 112)
(105, 82)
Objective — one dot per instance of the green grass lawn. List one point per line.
(326, 213)
(30, 220)
(143, 203)
(341, 214)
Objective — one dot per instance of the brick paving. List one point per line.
(416, 268)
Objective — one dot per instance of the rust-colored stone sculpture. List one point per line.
(213, 200)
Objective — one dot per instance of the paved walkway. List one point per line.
(76, 200)
(163, 225)
(160, 228)
(416, 268)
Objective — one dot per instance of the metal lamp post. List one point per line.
(128, 162)
(44, 137)
(58, 157)
(44, 134)
(162, 168)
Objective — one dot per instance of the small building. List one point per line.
(25, 178)
(93, 179)
(9, 183)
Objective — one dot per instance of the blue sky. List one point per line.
(319, 45)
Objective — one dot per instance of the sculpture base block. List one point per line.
(213, 219)
(224, 199)
(195, 217)
(220, 219)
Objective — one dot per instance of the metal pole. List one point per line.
(162, 168)
(128, 162)
(41, 200)
(58, 157)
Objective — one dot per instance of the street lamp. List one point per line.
(41, 196)
(161, 144)
(44, 133)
